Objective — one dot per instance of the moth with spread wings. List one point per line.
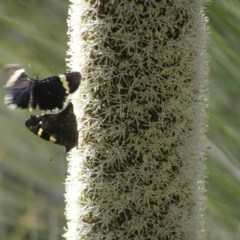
(47, 94)
(59, 128)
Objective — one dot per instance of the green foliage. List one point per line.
(31, 190)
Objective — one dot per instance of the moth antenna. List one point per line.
(29, 65)
(31, 71)
(36, 74)
(51, 159)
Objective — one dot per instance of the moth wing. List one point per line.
(73, 80)
(18, 85)
(50, 93)
(59, 128)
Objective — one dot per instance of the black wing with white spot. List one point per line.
(47, 94)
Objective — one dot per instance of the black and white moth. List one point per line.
(46, 94)
(59, 128)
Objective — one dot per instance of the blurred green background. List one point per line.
(33, 34)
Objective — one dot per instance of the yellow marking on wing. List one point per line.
(40, 131)
(52, 139)
(64, 81)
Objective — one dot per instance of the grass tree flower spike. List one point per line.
(138, 172)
